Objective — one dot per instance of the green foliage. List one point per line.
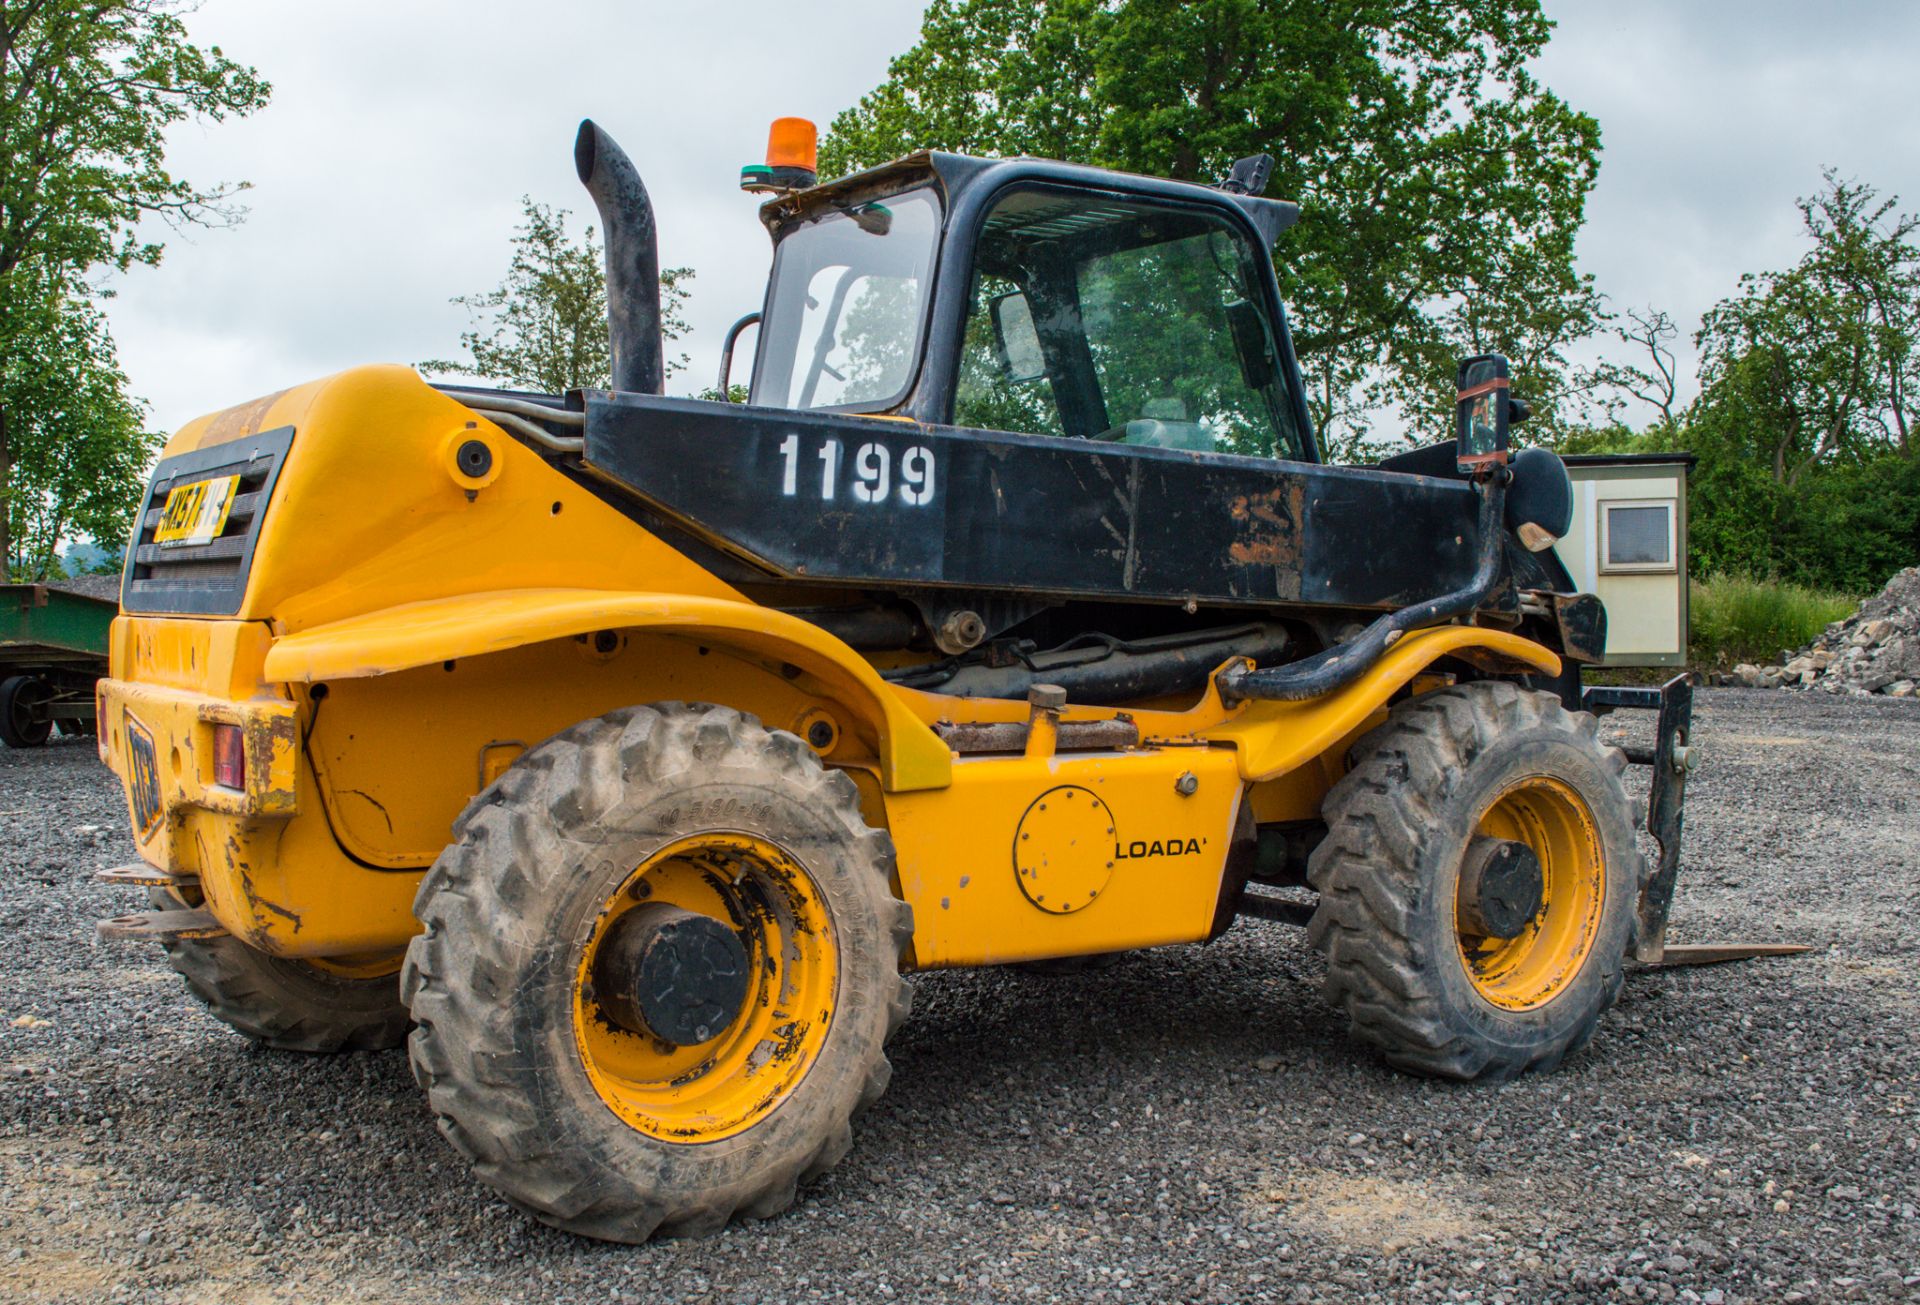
(1821, 359)
(1807, 466)
(91, 87)
(1614, 438)
(88, 89)
(79, 445)
(1736, 618)
(544, 327)
(1441, 185)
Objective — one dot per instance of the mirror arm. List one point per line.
(726, 354)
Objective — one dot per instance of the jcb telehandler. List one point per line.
(1014, 618)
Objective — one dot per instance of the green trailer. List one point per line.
(53, 646)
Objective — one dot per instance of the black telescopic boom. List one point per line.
(1336, 667)
(633, 260)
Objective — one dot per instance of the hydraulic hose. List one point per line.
(1096, 668)
(1336, 667)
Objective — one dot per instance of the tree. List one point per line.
(1529, 306)
(544, 327)
(1441, 185)
(1823, 354)
(1653, 378)
(90, 87)
(81, 445)
(87, 91)
(1805, 418)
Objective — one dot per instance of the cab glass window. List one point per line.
(846, 305)
(1125, 321)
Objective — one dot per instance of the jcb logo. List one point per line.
(143, 778)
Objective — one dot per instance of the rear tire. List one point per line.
(23, 719)
(286, 1004)
(582, 1121)
(1487, 759)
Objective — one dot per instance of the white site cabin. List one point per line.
(1628, 544)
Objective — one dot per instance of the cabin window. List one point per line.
(846, 306)
(1124, 321)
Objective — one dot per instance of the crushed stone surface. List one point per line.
(1190, 1125)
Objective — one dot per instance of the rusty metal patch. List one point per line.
(1267, 533)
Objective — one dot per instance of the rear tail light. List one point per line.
(229, 757)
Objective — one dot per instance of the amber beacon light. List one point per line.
(793, 151)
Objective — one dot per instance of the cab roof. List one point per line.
(963, 179)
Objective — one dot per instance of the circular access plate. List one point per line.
(1063, 852)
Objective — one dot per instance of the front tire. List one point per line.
(1408, 958)
(538, 1071)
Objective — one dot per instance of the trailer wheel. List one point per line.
(1477, 883)
(24, 722)
(659, 968)
(290, 1005)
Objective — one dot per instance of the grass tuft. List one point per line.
(1737, 618)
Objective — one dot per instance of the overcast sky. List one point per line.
(389, 168)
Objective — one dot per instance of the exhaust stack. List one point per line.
(633, 260)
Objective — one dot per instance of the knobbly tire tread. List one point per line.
(504, 1094)
(285, 1004)
(1385, 880)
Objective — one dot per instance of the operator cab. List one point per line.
(1034, 297)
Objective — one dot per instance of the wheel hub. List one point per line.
(671, 973)
(1502, 888)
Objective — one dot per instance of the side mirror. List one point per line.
(1481, 413)
(1016, 338)
(1251, 343)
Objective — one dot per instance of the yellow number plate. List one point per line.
(196, 513)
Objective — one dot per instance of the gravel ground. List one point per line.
(1191, 1125)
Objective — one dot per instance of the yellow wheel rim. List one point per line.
(731, 1082)
(1531, 969)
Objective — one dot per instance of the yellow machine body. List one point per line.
(408, 630)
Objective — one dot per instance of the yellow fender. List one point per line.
(472, 625)
(1274, 738)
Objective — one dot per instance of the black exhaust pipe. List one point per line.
(633, 260)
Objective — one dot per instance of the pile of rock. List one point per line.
(1876, 650)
